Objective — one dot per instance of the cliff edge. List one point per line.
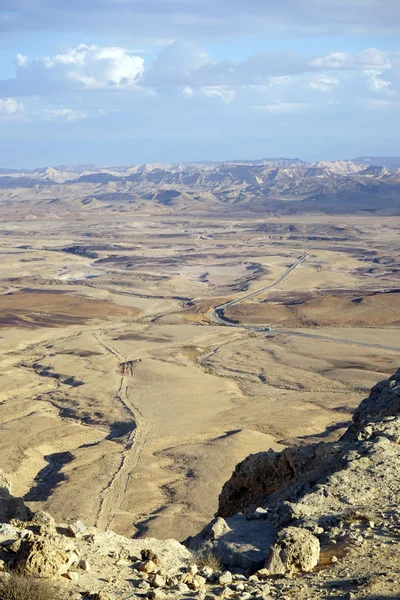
(323, 505)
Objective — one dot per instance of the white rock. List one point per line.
(226, 578)
(199, 581)
(8, 530)
(144, 585)
(149, 567)
(295, 550)
(158, 580)
(318, 530)
(219, 527)
(239, 587)
(260, 513)
(77, 528)
(239, 577)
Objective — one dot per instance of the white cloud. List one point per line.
(283, 107)
(187, 92)
(323, 83)
(379, 104)
(191, 70)
(81, 68)
(9, 106)
(185, 80)
(21, 60)
(219, 91)
(378, 84)
(371, 58)
(176, 64)
(63, 114)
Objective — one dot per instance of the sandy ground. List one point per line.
(344, 309)
(123, 405)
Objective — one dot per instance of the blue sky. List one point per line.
(128, 81)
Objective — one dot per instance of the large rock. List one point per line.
(44, 558)
(295, 550)
(239, 543)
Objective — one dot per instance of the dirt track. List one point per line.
(113, 495)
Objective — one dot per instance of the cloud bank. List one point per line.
(80, 68)
(187, 71)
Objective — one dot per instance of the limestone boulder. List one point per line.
(295, 550)
(43, 558)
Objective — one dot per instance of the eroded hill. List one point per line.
(282, 186)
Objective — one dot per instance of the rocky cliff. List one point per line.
(333, 504)
(270, 478)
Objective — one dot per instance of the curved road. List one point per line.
(217, 315)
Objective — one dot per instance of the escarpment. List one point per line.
(271, 477)
(285, 513)
(269, 474)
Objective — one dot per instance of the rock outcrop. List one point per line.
(267, 473)
(271, 477)
(311, 495)
(383, 401)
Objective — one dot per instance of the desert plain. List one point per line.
(123, 403)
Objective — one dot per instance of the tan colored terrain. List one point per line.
(337, 309)
(46, 308)
(124, 405)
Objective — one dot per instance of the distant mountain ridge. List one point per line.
(390, 162)
(63, 173)
(251, 186)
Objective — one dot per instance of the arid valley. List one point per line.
(123, 402)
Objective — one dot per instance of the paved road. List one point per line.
(217, 315)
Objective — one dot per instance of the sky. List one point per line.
(118, 82)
